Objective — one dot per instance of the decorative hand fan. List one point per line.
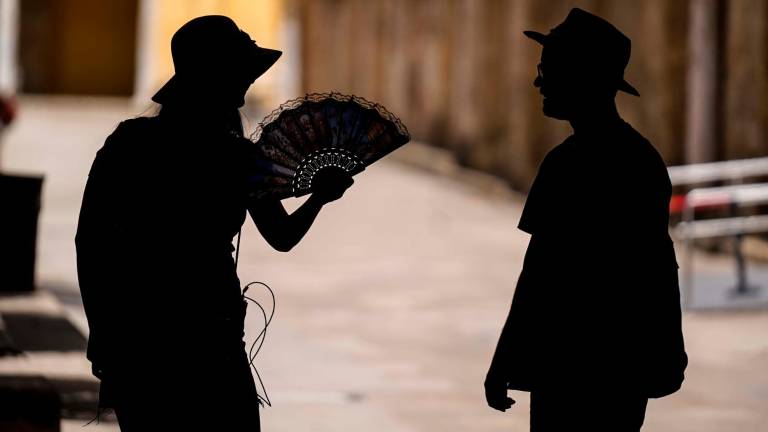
(320, 130)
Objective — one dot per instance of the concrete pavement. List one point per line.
(389, 309)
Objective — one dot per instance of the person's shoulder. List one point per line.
(558, 153)
(124, 142)
(643, 155)
(640, 146)
(631, 135)
(136, 126)
(128, 133)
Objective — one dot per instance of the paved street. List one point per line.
(389, 309)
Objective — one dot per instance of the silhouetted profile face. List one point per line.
(582, 65)
(215, 62)
(570, 84)
(222, 88)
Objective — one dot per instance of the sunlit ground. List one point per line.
(389, 310)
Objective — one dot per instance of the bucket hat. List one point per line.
(210, 43)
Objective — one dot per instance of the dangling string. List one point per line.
(261, 337)
(259, 341)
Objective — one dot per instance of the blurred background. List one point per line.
(389, 310)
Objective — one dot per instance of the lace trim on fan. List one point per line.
(319, 97)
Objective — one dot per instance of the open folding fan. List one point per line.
(308, 134)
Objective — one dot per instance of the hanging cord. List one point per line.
(262, 336)
(259, 341)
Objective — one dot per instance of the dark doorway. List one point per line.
(83, 47)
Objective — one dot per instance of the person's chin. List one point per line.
(235, 101)
(552, 110)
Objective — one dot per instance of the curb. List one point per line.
(29, 403)
(42, 352)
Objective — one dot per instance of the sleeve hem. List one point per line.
(525, 228)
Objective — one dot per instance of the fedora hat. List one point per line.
(209, 43)
(590, 37)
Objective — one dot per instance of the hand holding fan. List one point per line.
(317, 132)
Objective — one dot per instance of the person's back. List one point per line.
(172, 194)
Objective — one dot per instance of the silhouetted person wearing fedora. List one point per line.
(164, 199)
(594, 329)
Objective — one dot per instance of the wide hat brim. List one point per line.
(543, 39)
(261, 60)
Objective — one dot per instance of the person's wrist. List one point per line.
(494, 377)
(316, 199)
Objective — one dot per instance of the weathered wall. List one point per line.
(460, 72)
(77, 46)
(745, 79)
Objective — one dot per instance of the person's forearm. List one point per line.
(301, 220)
(501, 354)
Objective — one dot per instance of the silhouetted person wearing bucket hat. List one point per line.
(594, 329)
(165, 196)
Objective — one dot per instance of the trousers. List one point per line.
(199, 381)
(565, 411)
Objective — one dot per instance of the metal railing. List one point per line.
(731, 197)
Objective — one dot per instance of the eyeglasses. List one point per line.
(539, 71)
